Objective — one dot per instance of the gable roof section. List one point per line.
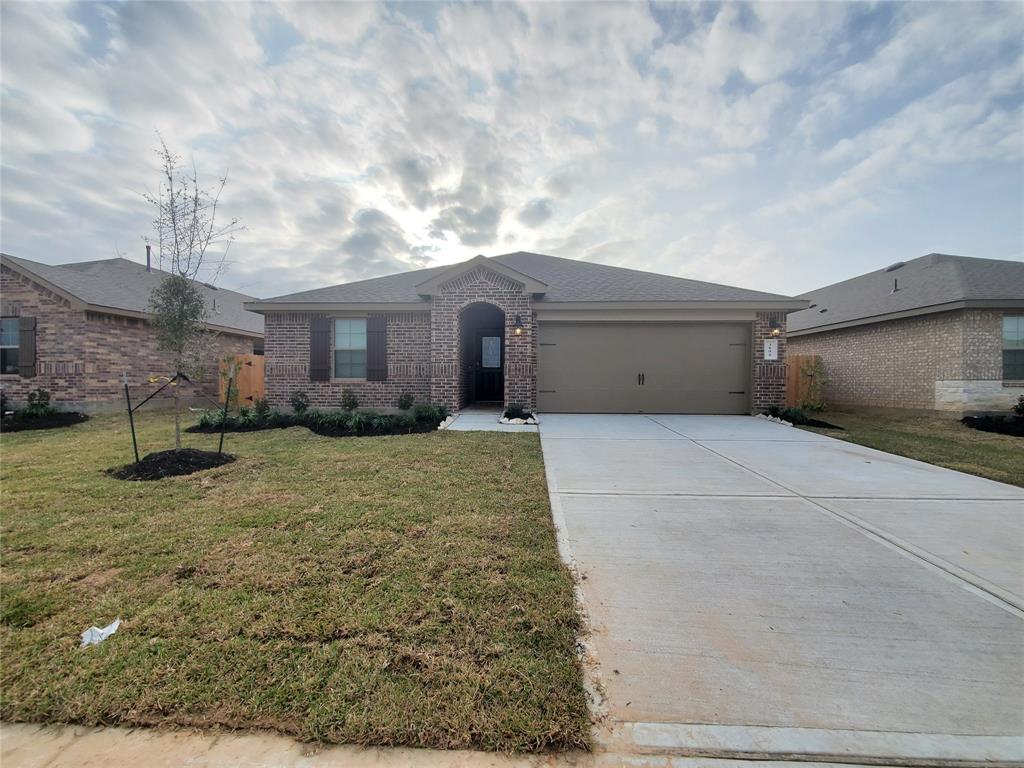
(933, 283)
(432, 285)
(122, 287)
(561, 281)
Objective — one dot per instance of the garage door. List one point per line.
(643, 368)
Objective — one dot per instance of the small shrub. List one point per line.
(405, 401)
(794, 415)
(210, 419)
(404, 422)
(349, 401)
(516, 411)
(774, 411)
(1019, 407)
(261, 409)
(361, 422)
(38, 404)
(278, 419)
(426, 413)
(300, 402)
(383, 424)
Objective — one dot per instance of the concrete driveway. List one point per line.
(758, 590)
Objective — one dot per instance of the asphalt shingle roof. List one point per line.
(125, 285)
(568, 280)
(928, 281)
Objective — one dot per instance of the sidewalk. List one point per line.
(34, 746)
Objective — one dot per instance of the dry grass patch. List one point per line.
(394, 591)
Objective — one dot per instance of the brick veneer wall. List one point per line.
(898, 363)
(81, 356)
(769, 375)
(447, 385)
(286, 351)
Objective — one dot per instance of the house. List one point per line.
(76, 329)
(550, 333)
(939, 332)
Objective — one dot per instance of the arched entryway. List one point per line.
(482, 354)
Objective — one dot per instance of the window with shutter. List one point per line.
(320, 349)
(350, 347)
(27, 347)
(376, 348)
(10, 341)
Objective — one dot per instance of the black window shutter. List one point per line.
(376, 348)
(320, 349)
(27, 347)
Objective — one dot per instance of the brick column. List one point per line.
(769, 376)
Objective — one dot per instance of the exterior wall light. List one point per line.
(517, 329)
(776, 328)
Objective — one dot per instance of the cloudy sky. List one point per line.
(776, 146)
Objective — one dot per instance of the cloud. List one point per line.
(535, 212)
(366, 138)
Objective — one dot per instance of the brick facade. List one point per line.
(427, 356)
(769, 376)
(81, 356)
(448, 385)
(286, 351)
(943, 361)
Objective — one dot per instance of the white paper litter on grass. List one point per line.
(95, 635)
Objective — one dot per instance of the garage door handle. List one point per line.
(741, 392)
(643, 378)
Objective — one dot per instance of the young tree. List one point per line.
(190, 243)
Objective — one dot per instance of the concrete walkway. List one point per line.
(758, 590)
(477, 419)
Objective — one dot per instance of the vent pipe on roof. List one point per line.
(149, 257)
(895, 286)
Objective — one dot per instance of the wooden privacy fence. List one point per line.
(798, 385)
(248, 384)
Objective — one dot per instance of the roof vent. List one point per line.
(894, 267)
(812, 306)
(895, 286)
(822, 311)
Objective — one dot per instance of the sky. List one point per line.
(775, 146)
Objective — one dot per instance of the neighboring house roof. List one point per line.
(934, 283)
(554, 280)
(122, 287)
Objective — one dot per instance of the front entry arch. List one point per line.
(482, 353)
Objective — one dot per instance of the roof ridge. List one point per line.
(644, 272)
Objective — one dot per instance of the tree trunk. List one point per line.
(177, 416)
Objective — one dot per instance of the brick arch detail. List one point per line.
(482, 285)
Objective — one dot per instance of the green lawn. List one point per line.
(938, 440)
(391, 590)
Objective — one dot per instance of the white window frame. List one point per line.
(1017, 347)
(335, 348)
(16, 345)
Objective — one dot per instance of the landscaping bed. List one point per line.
(185, 461)
(36, 414)
(420, 418)
(405, 591)
(1003, 424)
(18, 421)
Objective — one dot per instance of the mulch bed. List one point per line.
(155, 466)
(19, 423)
(1002, 424)
(819, 424)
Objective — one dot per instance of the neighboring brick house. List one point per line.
(552, 334)
(939, 332)
(76, 329)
